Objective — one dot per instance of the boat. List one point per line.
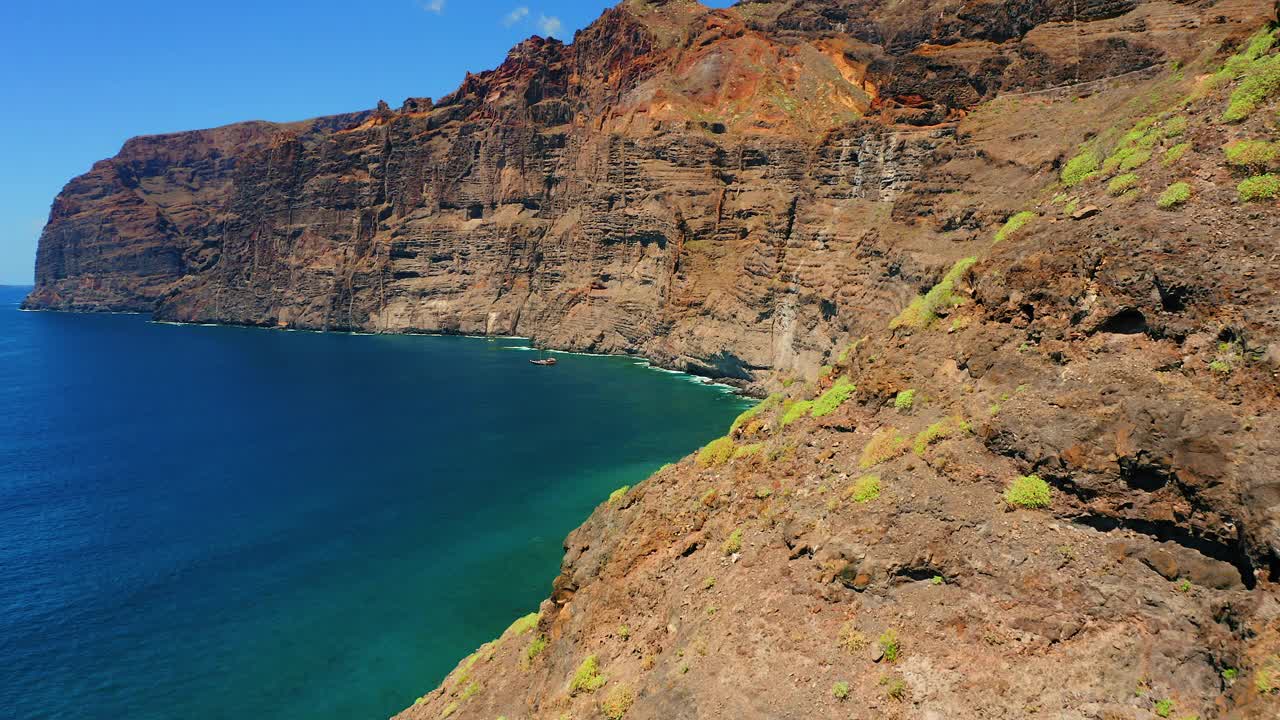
(544, 361)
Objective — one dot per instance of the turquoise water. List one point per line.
(204, 522)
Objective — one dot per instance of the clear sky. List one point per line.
(79, 77)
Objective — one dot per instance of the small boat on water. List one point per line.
(544, 361)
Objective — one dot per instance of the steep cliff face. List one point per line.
(724, 191)
(1047, 486)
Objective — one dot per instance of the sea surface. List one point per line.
(212, 522)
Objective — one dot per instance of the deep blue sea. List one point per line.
(210, 522)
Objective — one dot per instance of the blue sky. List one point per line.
(79, 77)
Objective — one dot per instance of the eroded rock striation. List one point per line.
(1010, 271)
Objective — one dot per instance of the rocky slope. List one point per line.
(1030, 244)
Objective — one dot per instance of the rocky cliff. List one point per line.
(1032, 245)
(724, 191)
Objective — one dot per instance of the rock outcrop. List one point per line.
(1007, 232)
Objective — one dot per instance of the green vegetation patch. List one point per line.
(717, 452)
(1173, 196)
(1079, 168)
(904, 400)
(1164, 708)
(833, 398)
(864, 489)
(1122, 184)
(885, 445)
(1252, 154)
(533, 650)
(1260, 82)
(587, 677)
(1175, 153)
(617, 702)
(840, 690)
(1259, 187)
(1028, 491)
(924, 309)
(755, 410)
(941, 430)
(524, 625)
(890, 646)
(1174, 127)
(1014, 224)
(733, 543)
(749, 450)
(795, 411)
(618, 494)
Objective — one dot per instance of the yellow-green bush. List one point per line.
(833, 398)
(1079, 168)
(1014, 224)
(1259, 187)
(944, 428)
(716, 452)
(1252, 154)
(1122, 184)
(617, 702)
(1174, 195)
(885, 445)
(864, 489)
(924, 309)
(1175, 153)
(1028, 491)
(587, 677)
(795, 411)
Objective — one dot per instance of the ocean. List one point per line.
(219, 522)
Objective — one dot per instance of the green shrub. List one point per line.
(924, 309)
(1079, 168)
(748, 450)
(1174, 127)
(864, 489)
(1014, 224)
(795, 411)
(449, 709)
(617, 702)
(889, 645)
(750, 413)
(1261, 81)
(534, 649)
(1175, 153)
(733, 543)
(717, 452)
(624, 632)
(904, 400)
(1253, 154)
(473, 688)
(1259, 187)
(618, 494)
(941, 430)
(938, 580)
(895, 688)
(1220, 366)
(524, 624)
(1028, 491)
(833, 398)
(1174, 195)
(1134, 160)
(1122, 184)
(587, 677)
(1230, 674)
(850, 639)
(885, 445)
(1164, 708)
(840, 690)
(1070, 208)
